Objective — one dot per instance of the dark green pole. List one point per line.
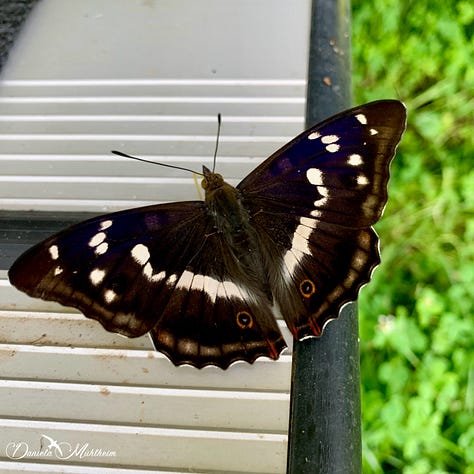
(324, 432)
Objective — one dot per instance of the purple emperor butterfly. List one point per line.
(206, 278)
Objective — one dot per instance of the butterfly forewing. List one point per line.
(346, 156)
(100, 266)
(204, 278)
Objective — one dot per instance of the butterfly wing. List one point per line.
(161, 269)
(313, 203)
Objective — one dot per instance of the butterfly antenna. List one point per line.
(125, 155)
(217, 142)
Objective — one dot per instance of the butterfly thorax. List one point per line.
(232, 221)
(224, 205)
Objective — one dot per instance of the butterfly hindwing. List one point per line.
(316, 272)
(217, 314)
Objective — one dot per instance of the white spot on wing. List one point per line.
(141, 254)
(57, 271)
(291, 263)
(148, 271)
(109, 296)
(300, 239)
(210, 286)
(308, 222)
(329, 139)
(299, 246)
(362, 180)
(373, 131)
(171, 279)
(102, 248)
(354, 160)
(158, 276)
(97, 239)
(314, 136)
(231, 289)
(361, 118)
(105, 224)
(299, 242)
(206, 284)
(228, 289)
(333, 147)
(236, 291)
(154, 277)
(322, 200)
(304, 231)
(96, 276)
(54, 252)
(198, 282)
(185, 280)
(292, 260)
(315, 176)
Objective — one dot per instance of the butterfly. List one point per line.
(207, 278)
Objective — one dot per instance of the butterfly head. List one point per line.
(211, 180)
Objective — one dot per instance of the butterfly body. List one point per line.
(206, 279)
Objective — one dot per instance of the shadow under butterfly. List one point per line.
(206, 278)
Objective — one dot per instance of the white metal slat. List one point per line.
(160, 447)
(110, 165)
(143, 144)
(137, 368)
(172, 87)
(149, 125)
(147, 406)
(148, 106)
(108, 391)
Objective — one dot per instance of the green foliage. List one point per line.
(417, 325)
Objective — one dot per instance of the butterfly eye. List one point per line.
(204, 183)
(307, 288)
(244, 320)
